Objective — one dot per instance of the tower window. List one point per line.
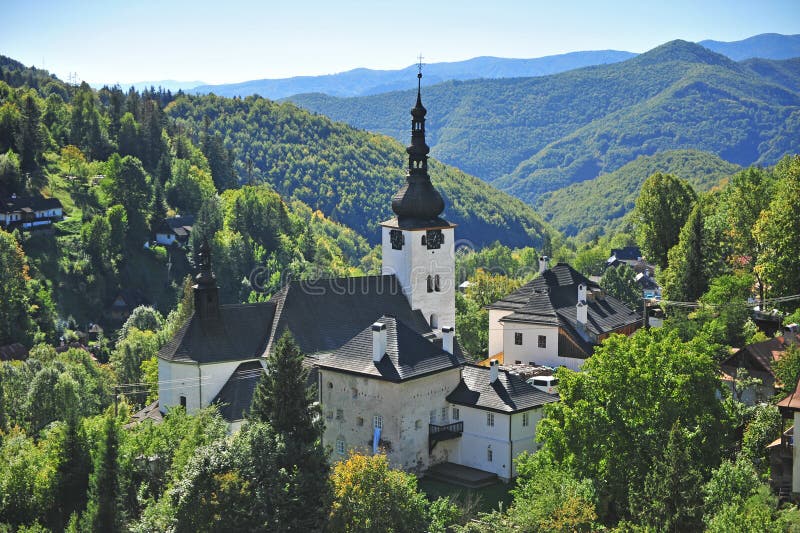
(430, 284)
(436, 286)
(397, 239)
(423, 240)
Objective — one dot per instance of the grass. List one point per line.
(485, 499)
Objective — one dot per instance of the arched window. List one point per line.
(430, 284)
(434, 321)
(436, 285)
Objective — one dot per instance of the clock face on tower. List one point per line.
(434, 238)
(397, 239)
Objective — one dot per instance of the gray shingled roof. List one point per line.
(240, 332)
(236, 395)
(35, 203)
(551, 298)
(408, 354)
(325, 314)
(509, 394)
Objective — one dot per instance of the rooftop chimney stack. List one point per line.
(447, 339)
(543, 263)
(582, 292)
(378, 341)
(494, 367)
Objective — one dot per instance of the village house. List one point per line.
(556, 319)
(174, 230)
(29, 212)
(389, 371)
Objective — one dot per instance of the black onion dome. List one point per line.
(418, 199)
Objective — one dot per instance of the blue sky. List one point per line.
(227, 41)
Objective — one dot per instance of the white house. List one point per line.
(29, 212)
(390, 373)
(556, 319)
(174, 230)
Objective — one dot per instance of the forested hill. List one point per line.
(533, 135)
(598, 206)
(347, 174)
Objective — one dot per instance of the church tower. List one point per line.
(418, 245)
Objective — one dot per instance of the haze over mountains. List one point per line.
(528, 136)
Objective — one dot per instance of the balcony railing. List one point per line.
(445, 432)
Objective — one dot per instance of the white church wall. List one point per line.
(414, 263)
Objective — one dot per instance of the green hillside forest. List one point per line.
(529, 136)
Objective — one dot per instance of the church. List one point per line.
(390, 373)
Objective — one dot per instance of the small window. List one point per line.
(330, 385)
(377, 422)
(432, 416)
(490, 419)
(360, 421)
(542, 341)
(423, 241)
(434, 321)
(418, 424)
(340, 446)
(430, 284)
(517, 362)
(329, 414)
(339, 414)
(489, 455)
(518, 339)
(525, 420)
(183, 402)
(436, 285)
(354, 392)
(456, 414)
(443, 416)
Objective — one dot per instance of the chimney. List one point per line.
(447, 339)
(581, 311)
(582, 292)
(543, 260)
(378, 341)
(494, 367)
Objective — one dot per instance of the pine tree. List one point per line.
(687, 277)
(103, 512)
(73, 473)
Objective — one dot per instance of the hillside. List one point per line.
(598, 206)
(364, 81)
(533, 135)
(347, 174)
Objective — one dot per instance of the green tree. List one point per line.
(74, 465)
(662, 209)
(686, 277)
(725, 304)
(760, 513)
(10, 174)
(764, 427)
(670, 499)
(103, 512)
(616, 415)
(777, 232)
(369, 496)
(137, 347)
(620, 282)
(31, 134)
(220, 160)
(128, 137)
(189, 187)
(787, 368)
(15, 322)
(130, 188)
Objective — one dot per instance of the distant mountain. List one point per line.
(529, 136)
(364, 81)
(167, 85)
(598, 206)
(766, 45)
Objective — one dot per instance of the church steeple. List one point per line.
(206, 293)
(418, 201)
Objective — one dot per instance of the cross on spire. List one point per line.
(419, 65)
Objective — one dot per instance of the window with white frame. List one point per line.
(456, 414)
(490, 419)
(518, 338)
(432, 416)
(340, 446)
(525, 420)
(443, 416)
(377, 422)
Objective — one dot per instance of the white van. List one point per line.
(548, 384)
